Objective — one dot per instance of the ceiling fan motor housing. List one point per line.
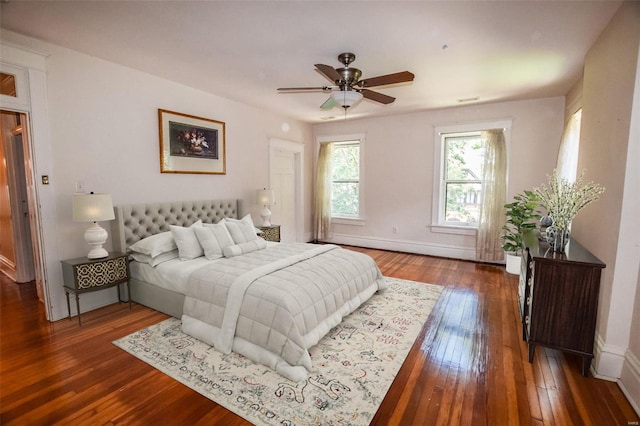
(350, 77)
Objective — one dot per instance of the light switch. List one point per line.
(45, 179)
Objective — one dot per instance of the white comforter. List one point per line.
(272, 305)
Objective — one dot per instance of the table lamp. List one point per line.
(94, 208)
(265, 197)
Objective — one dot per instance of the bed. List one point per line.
(270, 302)
(134, 222)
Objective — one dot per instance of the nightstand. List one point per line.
(83, 275)
(271, 233)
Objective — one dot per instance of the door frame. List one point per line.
(30, 71)
(298, 158)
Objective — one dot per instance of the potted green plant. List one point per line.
(522, 215)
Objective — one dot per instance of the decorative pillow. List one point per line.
(248, 247)
(242, 230)
(155, 245)
(187, 242)
(213, 238)
(155, 261)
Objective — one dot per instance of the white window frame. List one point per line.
(438, 200)
(358, 220)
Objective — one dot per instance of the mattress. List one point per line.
(272, 305)
(171, 275)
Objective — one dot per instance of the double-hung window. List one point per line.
(346, 178)
(462, 178)
(459, 159)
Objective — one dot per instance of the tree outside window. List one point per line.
(463, 159)
(345, 190)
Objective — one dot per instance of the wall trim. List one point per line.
(609, 360)
(407, 246)
(629, 382)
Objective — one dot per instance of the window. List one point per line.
(7, 84)
(569, 148)
(463, 158)
(459, 157)
(346, 175)
(345, 179)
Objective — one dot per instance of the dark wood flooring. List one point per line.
(468, 367)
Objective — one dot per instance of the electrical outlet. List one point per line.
(79, 186)
(395, 229)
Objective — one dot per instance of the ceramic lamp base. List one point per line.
(266, 216)
(96, 236)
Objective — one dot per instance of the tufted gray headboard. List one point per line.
(137, 221)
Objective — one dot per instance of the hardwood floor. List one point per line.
(469, 365)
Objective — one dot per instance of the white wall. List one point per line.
(399, 161)
(104, 132)
(609, 151)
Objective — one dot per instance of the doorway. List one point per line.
(285, 178)
(17, 255)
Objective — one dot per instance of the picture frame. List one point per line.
(190, 144)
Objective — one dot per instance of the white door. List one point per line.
(286, 182)
(283, 185)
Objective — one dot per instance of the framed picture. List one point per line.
(190, 144)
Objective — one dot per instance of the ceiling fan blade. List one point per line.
(383, 80)
(328, 104)
(306, 89)
(377, 96)
(329, 72)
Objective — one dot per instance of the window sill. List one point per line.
(452, 229)
(348, 221)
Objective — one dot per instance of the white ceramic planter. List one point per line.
(513, 263)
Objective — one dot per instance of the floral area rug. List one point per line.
(354, 364)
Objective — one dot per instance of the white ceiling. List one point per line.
(241, 50)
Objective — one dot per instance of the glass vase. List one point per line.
(557, 238)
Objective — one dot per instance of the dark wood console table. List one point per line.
(558, 299)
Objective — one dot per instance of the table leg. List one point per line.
(78, 308)
(586, 365)
(68, 305)
(128, 293)
(532, 351)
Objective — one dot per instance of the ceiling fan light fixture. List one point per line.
(346, 98)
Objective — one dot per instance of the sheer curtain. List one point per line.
(322, 201)
(567, 166)
(494, 190)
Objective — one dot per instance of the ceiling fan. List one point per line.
(348, 89)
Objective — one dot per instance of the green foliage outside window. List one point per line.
(463, 170)
(346, 180)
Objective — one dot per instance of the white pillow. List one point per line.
(155, 245)
(242, 230)
(213, 238)
(248, 247)
(155, 261)
(187, 242)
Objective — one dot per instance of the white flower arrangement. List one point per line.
(563, 199)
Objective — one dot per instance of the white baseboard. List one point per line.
(630, 380)
(608, 360)
(618, 365)
(417, 247)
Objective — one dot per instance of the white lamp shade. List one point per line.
(346, 98)
(92, 207)
(264, 196)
